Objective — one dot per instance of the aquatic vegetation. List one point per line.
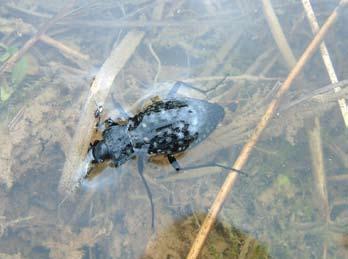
(18, 72)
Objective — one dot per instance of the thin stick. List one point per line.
(159, 65)
(64, 48)
(326, 58)
(278, 34)
(8, 65)
(314, 136)
(97, 94)
(316, 149)
(244, 77)
(113, 24)
(244, 155)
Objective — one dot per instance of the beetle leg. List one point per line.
(175, 88)
(172, 92)
(215, 165)
(173, 162)
(149, 194)
(92, 145)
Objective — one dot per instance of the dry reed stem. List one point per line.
(318, 167)
(244, 155)
(63, 48)
(314, 133)
(326, 58)
(97, 94)
(278, 34)
(244, 77)
(339, 178)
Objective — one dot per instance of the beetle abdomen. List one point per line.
(174, 125)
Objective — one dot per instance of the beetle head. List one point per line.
(116, 146)
(100, 152)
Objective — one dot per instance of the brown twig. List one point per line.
(64, 48)
(278, 34)
(244, 155)
(319, 175)
(98, 92)
(338, 178)
(8, 65)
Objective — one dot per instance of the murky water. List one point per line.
(223, 47)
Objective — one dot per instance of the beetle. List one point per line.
(165, 127)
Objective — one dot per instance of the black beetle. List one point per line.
(165, 127)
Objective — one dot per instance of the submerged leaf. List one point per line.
(5, 92)
(19, 71)
(283, 181)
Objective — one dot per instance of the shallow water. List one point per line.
(277, 211)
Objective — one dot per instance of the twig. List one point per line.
(317, 156)
(97, 94)
(64, 48)
(326, 58)
(319, 93)
(244, 155)
(278, 34)
(338, 178)
(151, 24)
(25, 11)
(25, 28)
(229, 78)
(159, 66)
(313, 134)
(11, 223)
(8, 65)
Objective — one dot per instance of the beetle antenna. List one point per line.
(149, 194)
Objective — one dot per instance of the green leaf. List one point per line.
(19, 71)
(283, 180)
(5, 92)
